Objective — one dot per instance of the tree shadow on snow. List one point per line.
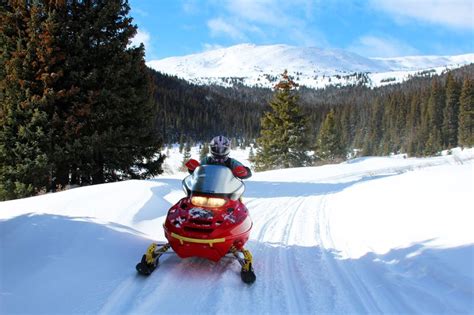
(53, 264)
(263, 189)
(157, 206)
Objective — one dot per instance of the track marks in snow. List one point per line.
(292, 242)
(349, 292)
(297, 270)
(280, 224)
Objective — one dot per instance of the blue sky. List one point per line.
(371, 28)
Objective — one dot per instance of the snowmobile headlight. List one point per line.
(211, 202)
(199, 201)
(215, 202)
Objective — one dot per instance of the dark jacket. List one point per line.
(229, 162)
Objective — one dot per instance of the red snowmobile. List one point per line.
(210, 222)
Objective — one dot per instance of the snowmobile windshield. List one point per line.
(214, 180)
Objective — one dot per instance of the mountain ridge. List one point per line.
(313, 67)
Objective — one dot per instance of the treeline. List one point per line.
(187, 111)
(374, 121)
(420, 117)
(76, 100)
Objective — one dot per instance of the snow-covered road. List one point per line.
(374, 235)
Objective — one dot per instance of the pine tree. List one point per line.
(374, 135)
(451, 113)
(402, 111)
(435, 118)
(347, 127)
(329, 145)
(283, 137)
(76, 100)
(413, 126)
(466, 114)
(121, 125)
(423, 131)
(24, 122)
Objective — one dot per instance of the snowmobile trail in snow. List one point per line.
(375, 235)
(298, 270)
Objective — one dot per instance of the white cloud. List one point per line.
(452, 13)
(260, 11)
(276, 13)
(372, 46)
(220, 27)
(141, 37)
(208, 47)
(268, 20)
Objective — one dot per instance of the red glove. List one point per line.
(192, 164)
(240, 171)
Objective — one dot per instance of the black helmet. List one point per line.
(219, 147)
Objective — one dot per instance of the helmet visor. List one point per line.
(219, 150)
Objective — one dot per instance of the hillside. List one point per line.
(372, 235)
(201, 112)
(260, 66)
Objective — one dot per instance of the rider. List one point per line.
(219, 147)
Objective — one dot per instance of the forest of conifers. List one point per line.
(79, 106)
(420, 116)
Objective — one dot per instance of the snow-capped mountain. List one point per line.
(313, 67)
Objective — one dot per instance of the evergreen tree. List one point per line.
(347, 126)
(466, 114)
(402, 109)
(424, 130)
(76, 100)
(329, 145)
(117, 89)
(283, 136)
(413, 126)
(374, 135)
(451, 113)
(435, 118)
(25, 100)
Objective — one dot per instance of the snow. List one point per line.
(260, 66)
(371, 235)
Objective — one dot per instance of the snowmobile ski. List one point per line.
(150, 259)
(246, 274)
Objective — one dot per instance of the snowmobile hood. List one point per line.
(214, 180)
